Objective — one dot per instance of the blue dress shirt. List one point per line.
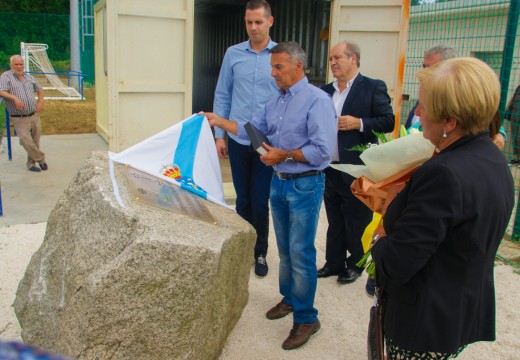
(303, 118)
(244, 85)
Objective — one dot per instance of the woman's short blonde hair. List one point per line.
(464, 89)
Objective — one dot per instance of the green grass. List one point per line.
(61, 65)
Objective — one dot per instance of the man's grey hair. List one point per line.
(11, 59)
(293, 49)
(446, 51)
(352, 49)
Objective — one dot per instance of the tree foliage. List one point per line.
(35, 6)
(34, 21)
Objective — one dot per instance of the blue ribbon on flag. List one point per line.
(184, 156)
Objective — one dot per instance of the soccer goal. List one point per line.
(38, 65)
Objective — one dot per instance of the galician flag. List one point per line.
(184, 154)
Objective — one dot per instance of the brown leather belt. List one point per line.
(287, 176)
(31, 114)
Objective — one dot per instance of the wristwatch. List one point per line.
(289, 157)
(376, 237)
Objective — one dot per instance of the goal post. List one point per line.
(37, 63)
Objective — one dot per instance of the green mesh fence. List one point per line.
(50, 29)
(488, 30)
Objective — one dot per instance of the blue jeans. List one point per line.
(295, 205)
(251, 179)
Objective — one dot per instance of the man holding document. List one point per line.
(301, 124)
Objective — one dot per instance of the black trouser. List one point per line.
(348, 217)
(252, 180)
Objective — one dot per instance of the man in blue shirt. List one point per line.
(244, 86)
(301, 125)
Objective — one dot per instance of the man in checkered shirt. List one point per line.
(18, 88)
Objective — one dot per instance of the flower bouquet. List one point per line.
(387, 168)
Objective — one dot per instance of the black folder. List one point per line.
(257, 138)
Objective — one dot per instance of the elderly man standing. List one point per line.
(364, 107)
(435, 55)
(300, 123)
(18, 88)
(432, 56)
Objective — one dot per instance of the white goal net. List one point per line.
(56, 86)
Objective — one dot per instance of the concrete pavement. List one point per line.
(29, 197)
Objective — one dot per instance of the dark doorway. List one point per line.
(220, 24)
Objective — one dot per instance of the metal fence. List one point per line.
(50, 29)
(488, 30)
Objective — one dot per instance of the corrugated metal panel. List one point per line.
(216, 28)
(220, 24)
(303, 21)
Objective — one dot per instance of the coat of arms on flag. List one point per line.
(184, 156)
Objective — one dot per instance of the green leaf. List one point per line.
(368, 264)
(363, 262)
(402, 131)
(359, 148)
(381, 136)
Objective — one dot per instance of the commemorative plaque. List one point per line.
(150, 190)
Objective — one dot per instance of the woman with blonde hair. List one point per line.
(435, 255)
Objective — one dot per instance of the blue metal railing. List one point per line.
(8, 131)
(9, 153)
(70, 74)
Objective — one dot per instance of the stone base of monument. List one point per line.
(133, 282)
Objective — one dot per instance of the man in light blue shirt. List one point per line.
(244, 86)
(301, 125)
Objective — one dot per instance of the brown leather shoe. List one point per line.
(300, 334)
(279, 311)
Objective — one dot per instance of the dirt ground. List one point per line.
(60, 117)
(70, 117)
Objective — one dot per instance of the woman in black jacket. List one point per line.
(435, 255)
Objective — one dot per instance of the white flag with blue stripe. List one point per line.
(184, 154)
